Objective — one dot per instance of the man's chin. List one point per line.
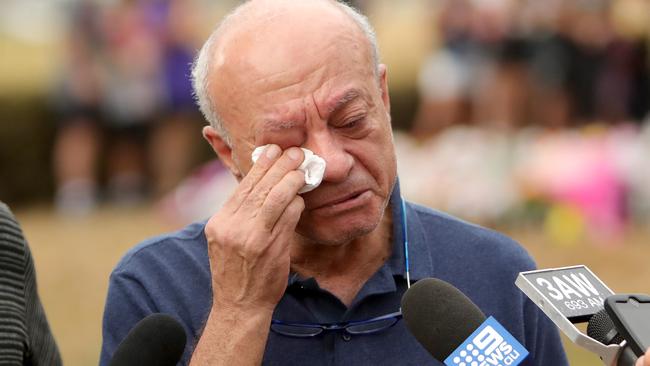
(332, 234)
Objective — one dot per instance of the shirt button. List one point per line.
(346, 337)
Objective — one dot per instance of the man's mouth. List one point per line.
(344, 202)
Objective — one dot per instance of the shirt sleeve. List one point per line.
(127, 303)
(25, 335)
(43, 348)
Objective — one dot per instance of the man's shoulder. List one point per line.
(480, 262)
(453, 236)
(164, 249)
(8, 221)
(167, 274)
(4, 210)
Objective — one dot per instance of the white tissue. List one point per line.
(313, 166)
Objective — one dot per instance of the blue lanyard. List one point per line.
(405, 238)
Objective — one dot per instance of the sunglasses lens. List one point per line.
(296, 330)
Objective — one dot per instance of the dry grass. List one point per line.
(75, 256)
(73, 260)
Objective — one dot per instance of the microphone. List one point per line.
(571, 295)
(602, 328)
(157, 340)
(454, 330)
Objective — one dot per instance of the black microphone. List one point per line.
(157, 340)
(572, 295)
(439, 316)
(454, 330)
(602, 328)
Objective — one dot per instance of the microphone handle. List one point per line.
(626, 357)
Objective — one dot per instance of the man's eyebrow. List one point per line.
(271, 125)
(344, 99)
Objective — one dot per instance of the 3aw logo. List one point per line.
(489, 345)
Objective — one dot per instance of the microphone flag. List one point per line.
(489, 345)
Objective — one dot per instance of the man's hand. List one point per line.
(248, 248)
(248, 239)
(644, 360)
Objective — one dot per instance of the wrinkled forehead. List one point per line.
(270, 65)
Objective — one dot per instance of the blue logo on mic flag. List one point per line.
(490, 345)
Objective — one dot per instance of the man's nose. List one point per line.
(339, 161)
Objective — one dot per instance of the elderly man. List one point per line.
(257, 281)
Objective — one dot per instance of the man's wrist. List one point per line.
(233, 336)
(239, 317)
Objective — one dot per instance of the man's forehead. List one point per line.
(269, 11)
(264, 19)
(266, 66)
(327, 104)
(268, 53)
(267, 37)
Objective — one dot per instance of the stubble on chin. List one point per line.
(331, 235)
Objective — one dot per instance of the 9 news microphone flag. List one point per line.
(490, 344)
(454, 330)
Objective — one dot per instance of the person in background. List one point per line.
(25, 336)
(77, 99)
(125, 103)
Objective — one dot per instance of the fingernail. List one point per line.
(272, 151)
(294, 153)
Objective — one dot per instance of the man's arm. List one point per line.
(233, 337)
(248, 248)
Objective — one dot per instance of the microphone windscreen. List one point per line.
(157, 340)
(439, 316)
(602, 328)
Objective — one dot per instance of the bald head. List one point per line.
(262, 37)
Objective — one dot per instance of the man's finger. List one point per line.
(288, 221)
(255, 174)
(280, 197)
(645, 359)
(289, 161)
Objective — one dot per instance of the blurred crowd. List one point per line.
(526, 110)
(548, 63)
(574, 183)
(127, 120)
(536, 110)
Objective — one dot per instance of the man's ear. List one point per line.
(383, 86)
(222, 149)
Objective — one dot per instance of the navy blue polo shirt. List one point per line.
(171, 274)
